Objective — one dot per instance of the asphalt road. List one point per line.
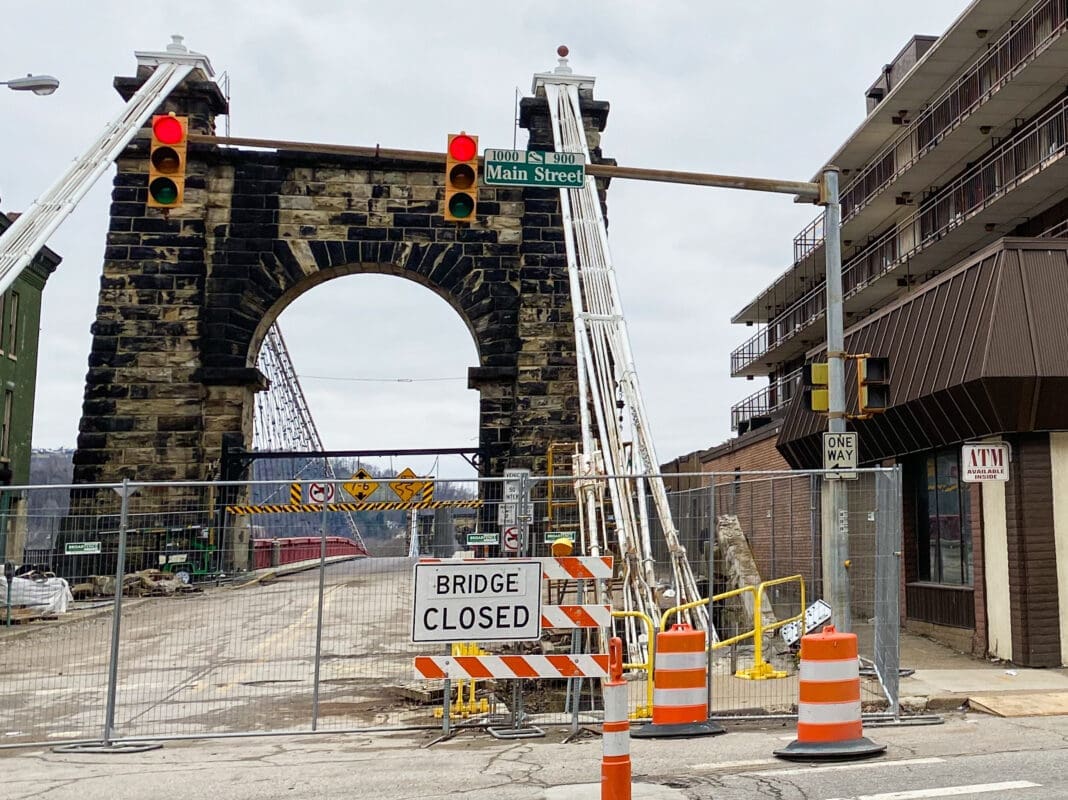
(970, 756)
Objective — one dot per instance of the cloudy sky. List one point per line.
(766, 88)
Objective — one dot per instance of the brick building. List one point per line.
(20, 325)
(955, 267)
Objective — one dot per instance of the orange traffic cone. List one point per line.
(828, 706)
(680, 693)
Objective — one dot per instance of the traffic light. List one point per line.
(873, 385)
(814, 379)
(166, 161)
(461, 178)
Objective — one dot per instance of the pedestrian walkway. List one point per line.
(944, 679)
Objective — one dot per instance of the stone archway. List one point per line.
(185, 301)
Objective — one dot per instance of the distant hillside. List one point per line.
(51, 467)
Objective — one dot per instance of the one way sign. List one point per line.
(840, 453)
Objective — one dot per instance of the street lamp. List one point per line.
(38, 84)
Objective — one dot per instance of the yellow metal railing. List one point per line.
(760, 670)
(646, 711)
(472, 704)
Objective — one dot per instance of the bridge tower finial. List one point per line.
(562, 67)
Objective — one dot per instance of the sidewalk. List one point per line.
(945, 679)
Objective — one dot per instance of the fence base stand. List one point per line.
(107, 747)
(528, 732)
(654, 731)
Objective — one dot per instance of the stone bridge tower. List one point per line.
(186, 300)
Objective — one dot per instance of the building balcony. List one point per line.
(765, 405)
(1018, 75)
(1024, 175)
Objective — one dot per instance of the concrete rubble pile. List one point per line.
(146, 583)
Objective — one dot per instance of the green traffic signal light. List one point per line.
(461, 205)
(164, 191)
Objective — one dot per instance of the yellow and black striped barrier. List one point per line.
(298, 508)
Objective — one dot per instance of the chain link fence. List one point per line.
(192, 611)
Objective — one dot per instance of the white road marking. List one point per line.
(836, 767)
(718, 765)
(945, 791)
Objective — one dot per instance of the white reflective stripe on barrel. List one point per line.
(696, 660)
(615, 744)
(828, 713)
(826, 670)
(680, 697)
(615, 703)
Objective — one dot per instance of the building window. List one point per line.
(5, 429)
(943, 527)
(13, 325)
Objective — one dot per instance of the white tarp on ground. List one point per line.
(48, 596)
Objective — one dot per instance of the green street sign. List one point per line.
(552, 537)
(483, 538)
(533, 168)
(80, 548)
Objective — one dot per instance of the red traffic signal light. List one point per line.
(167, 161)
(461, 178)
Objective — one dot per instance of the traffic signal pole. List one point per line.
(835, 551)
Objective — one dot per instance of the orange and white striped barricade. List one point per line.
(615, 732)
(828, 707)
(680, 693)
(482, 667)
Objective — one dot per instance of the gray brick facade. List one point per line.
(186, 301)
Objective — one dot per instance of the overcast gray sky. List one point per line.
(767, 89)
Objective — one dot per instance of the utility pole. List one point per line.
(835, 506)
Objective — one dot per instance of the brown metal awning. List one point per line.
(981, 350)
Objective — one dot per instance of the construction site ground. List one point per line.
(240, 659)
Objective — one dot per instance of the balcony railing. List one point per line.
(766, 402)
(1027, 153)
(1019, 45)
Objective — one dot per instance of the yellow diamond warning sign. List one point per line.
(362, 485)
(423, 490)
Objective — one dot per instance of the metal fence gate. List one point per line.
(198, 613)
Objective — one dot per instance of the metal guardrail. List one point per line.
(765, 402)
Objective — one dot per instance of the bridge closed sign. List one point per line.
(840, 453)
(477, 601)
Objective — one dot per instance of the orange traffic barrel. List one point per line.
(828, 706)
(680, 690)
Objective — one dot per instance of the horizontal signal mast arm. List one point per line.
(804, 190)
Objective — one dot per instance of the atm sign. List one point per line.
(984, 462)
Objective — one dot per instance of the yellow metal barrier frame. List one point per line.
(760, 670)
(646, 711)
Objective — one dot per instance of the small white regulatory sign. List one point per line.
(984, 462)
(321, 492)
(491, 600)
(840, 453)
